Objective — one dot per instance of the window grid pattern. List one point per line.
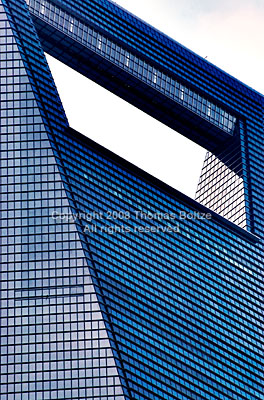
(128, 61)
(185, 308)
(117, 54)
(222, 190)
(54, 342)
(179, 279)
(199, 74)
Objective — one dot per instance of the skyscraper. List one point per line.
(114, 285)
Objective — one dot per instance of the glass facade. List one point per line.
(180, 301)
(54, 343)
(157, 85)
(115, 286)
(128, 61)
(221, 189)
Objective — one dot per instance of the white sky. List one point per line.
(230, 33)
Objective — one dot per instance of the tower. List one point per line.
(114, 285)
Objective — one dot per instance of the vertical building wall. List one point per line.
(54, 343)
(184, 309)
(221, 189)
(166, 66)
(185, 306)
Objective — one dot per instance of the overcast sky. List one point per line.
(228, 32)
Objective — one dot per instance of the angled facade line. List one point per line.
(115, 286)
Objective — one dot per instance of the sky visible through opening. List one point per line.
(228, 33)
